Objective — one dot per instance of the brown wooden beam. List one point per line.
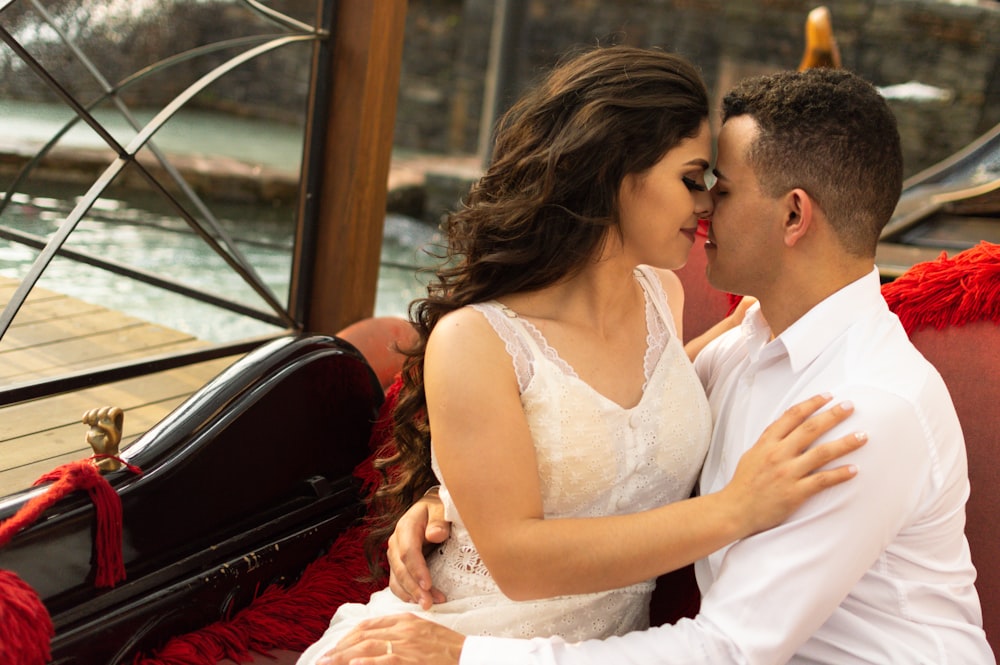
(367, 53)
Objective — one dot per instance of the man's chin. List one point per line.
(713, 277)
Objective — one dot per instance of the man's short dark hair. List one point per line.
(832, 134)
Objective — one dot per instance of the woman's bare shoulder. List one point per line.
(463, 333)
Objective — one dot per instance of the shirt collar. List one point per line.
(805, 339)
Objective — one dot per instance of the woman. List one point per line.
(568, 424)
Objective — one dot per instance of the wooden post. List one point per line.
(367, 54)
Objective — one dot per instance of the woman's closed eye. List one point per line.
(694, 185)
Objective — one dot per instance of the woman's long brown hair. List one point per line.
(538, 215)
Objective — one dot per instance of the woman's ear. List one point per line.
(798, 216)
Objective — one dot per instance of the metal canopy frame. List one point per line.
(313, 210)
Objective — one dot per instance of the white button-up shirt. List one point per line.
(876, 570)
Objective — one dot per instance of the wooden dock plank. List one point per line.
(38, 435)
(54, 334)
(70, 355)
(22, 419)
(47, 331)
(70, 438)
(48, 309)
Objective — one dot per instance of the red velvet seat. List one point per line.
(951, 310)
(968, 358)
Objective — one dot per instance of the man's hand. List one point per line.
(423, 524)
(396, 639)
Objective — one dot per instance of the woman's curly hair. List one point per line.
(540, 212)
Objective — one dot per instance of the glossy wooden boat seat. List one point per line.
(243, 485)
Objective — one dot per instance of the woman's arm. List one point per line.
(486, 454)
(694, 346)
(675, 299)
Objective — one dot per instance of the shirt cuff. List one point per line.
(496, 651)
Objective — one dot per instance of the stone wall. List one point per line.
(954, 46)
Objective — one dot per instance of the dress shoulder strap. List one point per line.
(518, 343)
(653, 287)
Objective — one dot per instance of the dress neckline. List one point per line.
(552, 355)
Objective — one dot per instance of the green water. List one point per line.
(141, 231)
(147, 237)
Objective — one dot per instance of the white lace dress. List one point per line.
(595, 458)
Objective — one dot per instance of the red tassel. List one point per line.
(948, 292)
(26, 629)
(25, 626)
(84, 475)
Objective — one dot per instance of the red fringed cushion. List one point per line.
(948, 291)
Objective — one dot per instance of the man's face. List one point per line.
(744, 239)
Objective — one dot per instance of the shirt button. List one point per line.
(635, 420)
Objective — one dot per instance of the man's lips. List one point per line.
(704, 226)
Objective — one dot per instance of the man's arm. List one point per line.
(775, 589)
(421, 525)
(771, 593)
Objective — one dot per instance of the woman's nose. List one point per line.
(704, 205)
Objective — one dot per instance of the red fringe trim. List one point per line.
(296, 616)
(948, 291)
(280, 618)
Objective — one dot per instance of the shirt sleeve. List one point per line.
(662, 645)
(772, 591)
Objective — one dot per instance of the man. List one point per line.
(876, 570)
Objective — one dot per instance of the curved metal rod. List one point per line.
(140, 275)
(121, 85)
(27, 59)
(167, 166)
(281, 19)
(161, 65)
(126, 155)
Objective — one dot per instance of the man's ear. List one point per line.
(798, 215)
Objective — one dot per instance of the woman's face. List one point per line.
(659, 209)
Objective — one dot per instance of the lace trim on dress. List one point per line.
(658, 332)
(515, 345)
(656, 335)
(550, 354)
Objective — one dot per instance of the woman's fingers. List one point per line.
(821, 455)
(795, 415)
(786, 465)
(800, 426)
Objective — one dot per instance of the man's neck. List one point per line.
(790, 300)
